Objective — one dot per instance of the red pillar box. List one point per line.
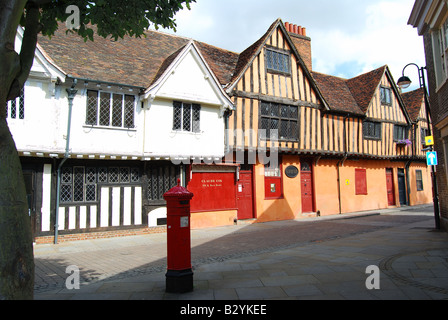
(179, 276)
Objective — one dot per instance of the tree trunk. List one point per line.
(16, 244)
(16, 247)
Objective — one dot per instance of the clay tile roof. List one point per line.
(245, 57)
(363, 87)
(222, 62)
(337, 93)
(129, 61)
(413, 101)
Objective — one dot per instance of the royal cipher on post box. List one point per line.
(179, 276)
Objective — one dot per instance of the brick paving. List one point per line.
(320, 258)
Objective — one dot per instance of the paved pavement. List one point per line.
(315, 259)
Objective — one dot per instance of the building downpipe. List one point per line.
(71, 94)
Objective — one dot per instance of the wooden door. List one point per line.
(307, 188)
(390, 187)
(245, 196)
(402, 187)
(30, 183)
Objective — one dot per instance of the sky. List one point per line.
(348, 37)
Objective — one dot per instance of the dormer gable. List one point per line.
(378, 96)
(186, 76)
(273, 67)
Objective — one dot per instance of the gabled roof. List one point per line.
(364, 86)
(129, 61)
(246, 58)
(337, 93)
(414, 101)
(355, 95)
(170, 65)
(248, 55)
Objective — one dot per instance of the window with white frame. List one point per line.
(186, 117)
(15, 109)
(440, 49)
(110, 109)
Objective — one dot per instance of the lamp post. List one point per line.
(404, 82)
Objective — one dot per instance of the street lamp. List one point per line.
(404, 82)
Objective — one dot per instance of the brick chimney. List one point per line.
(302, 42)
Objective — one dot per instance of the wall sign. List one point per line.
(291, 172)
(213, 191)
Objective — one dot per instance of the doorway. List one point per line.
(29, 177)
(244, 197)
(307, 187)
(402, 187)
(390, 187)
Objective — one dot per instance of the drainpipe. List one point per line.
(341, 163)
(227, 115)
(71, 96)
(408, 193)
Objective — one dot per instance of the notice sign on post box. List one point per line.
(184, 222)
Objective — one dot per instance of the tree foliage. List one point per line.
(115, 18)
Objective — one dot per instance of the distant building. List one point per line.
(430, 17)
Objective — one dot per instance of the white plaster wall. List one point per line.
(187, 81)
(190, 81)
(162, 141)
(40, 129)
(101, 140)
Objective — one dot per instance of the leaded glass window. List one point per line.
(110, 109)
(80, 184)
(278, 61)
(160, 180)
(15, 109)
(279, 121)
(186, 117)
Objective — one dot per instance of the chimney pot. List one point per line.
(287, 26)
(304, 32)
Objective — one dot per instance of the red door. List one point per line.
(245, 196)
(307, 188)
(390, 187)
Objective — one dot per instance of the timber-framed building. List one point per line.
(256, 136)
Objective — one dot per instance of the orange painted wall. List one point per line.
(424, 196)
(376, 186)
(200, 220)
(326, 187)
(286, 208)
(325, 174)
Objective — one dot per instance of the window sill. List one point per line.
(274, 198)
(86, 126)
(372, 138)
(187, 132)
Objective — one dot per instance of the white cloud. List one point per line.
(349, 37)
(385, 38)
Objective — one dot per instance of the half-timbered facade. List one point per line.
(255, 136)
(343, 144)
(108, 143)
